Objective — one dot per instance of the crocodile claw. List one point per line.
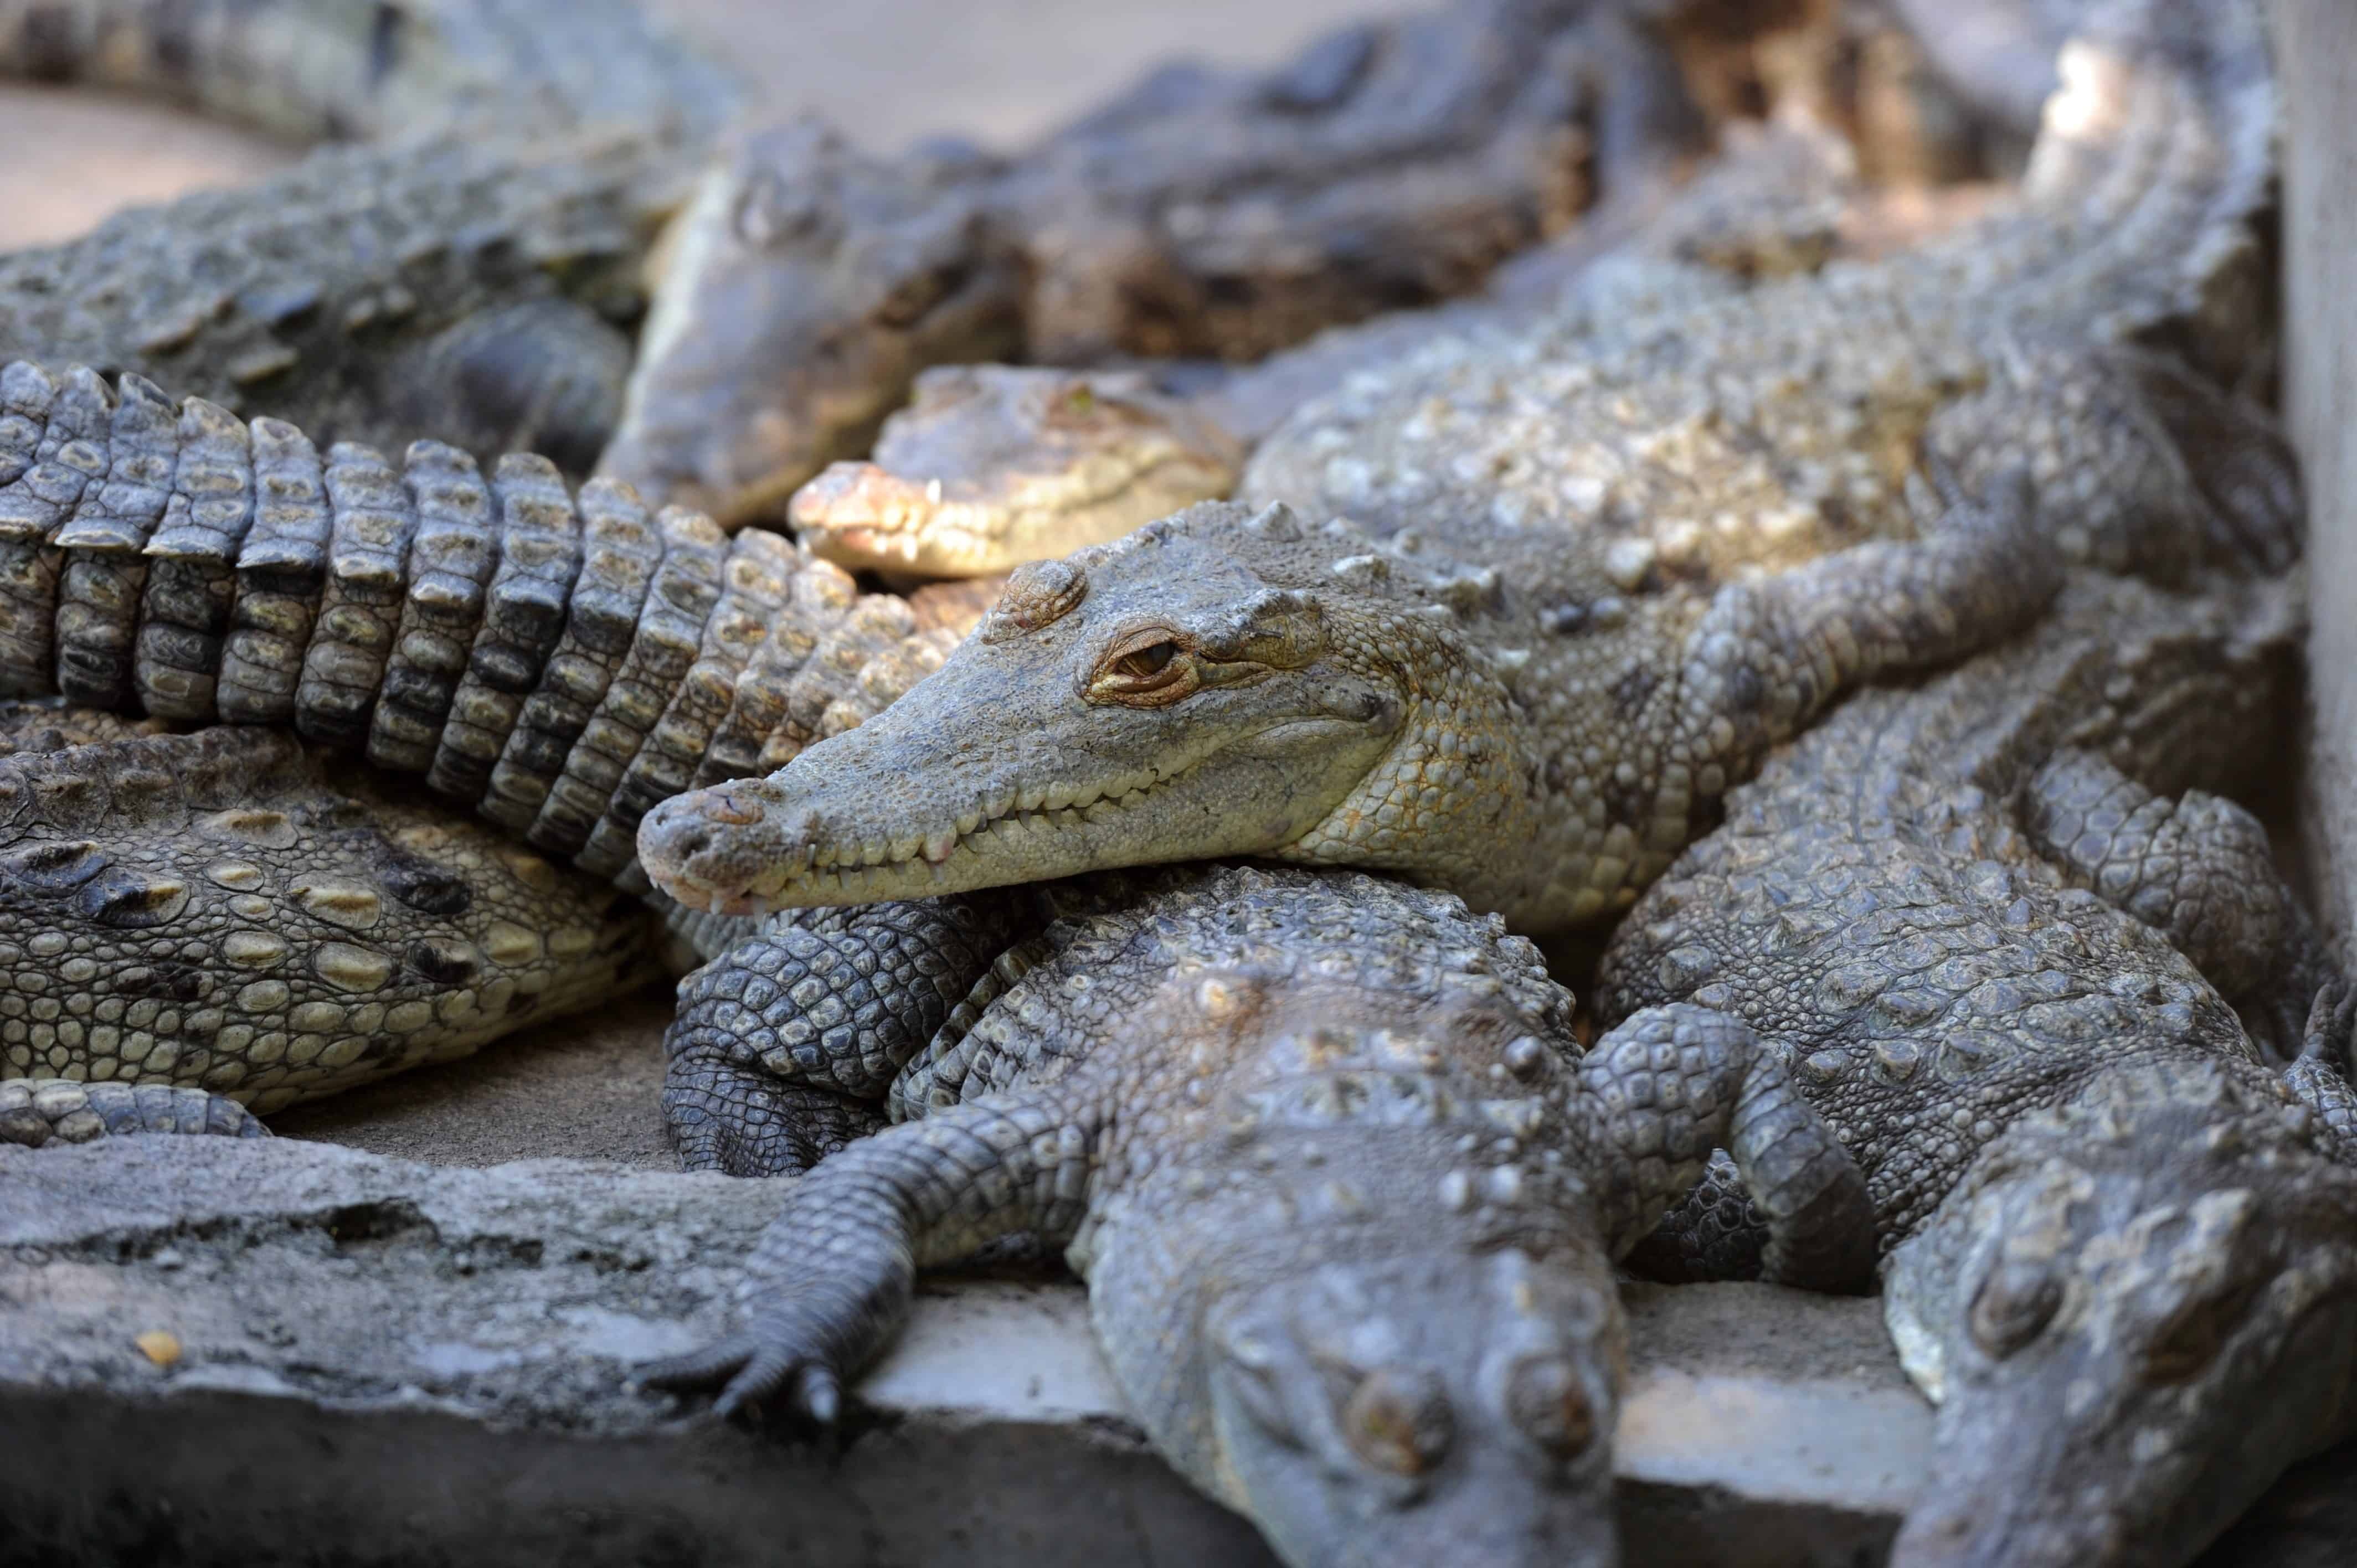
(750, 1370)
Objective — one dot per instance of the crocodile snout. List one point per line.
(719, 849)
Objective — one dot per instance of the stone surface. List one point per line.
(426, 1365)
(2317, 41)
(588, 1085)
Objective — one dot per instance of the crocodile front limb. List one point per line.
(2122, 1245)
(1344, 1192)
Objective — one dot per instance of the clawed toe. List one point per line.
(749, 1373)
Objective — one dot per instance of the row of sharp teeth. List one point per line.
(1010, 816)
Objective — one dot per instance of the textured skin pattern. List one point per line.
(229, 912)
(1202, 213)
(61, 1110)
(312, 70)
(1345, 1193)
(1777, 423)
(781, 1050)
(1537, 746)
(471, 276)
(2120, 1241)
(991, 466)
(1561, 629)
(557, 663)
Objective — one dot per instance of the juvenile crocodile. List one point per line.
(2121, 1233)
(230, 913)
(1202, 212)
(1591, 617)
(334, 69)
(1345, 1192)
(473, 274)
(555, 663)
(991, 466)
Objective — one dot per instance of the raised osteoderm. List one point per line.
(992, 466)
(472, 274)
(1575, 622)
(1346, 1196)
(260, 918)
(2121, 1226)
(1201, 213)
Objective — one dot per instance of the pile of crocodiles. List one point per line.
(1440, 506)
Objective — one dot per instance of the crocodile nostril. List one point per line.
(691, 843)
(727, 806)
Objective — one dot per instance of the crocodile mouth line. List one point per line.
(1001, 828)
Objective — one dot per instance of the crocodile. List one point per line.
(550, 663)
(1570, 611)
(471, 271)
(1344, 1189)
(1202, 212)
(2054, 996)
(991, 466)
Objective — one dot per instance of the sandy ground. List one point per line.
(887, 70)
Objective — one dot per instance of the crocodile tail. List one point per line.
(318, 69)
(2153, 157)
(559, 662)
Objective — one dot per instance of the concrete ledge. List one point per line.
(372, 1362)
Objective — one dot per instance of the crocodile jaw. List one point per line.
(754, 845)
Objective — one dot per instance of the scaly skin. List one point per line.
(1202, 212)
(805, 286)
(992, 466)
(318, 69)
(473, 276)
(2122, 1242)
(1594, 614)
(230, 911)
(1345, 1194)
(557, 663)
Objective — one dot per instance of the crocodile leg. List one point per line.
(2318, 1077)
(782, 1048)
(2199, 869)
(1670, 1084)
(1769, 655)
(832, 1278)
(38, 1111)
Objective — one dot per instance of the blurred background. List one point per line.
(885, 70)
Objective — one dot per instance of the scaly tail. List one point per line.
(314, 69)
(2155, 155)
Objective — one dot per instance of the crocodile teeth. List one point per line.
(937, 848)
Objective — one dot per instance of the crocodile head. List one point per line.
(799, 292)
(2133, 1317)
(1432, 1408)
(991, 466)
(1220, 682)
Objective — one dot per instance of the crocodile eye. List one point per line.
(1544, 1398)
(1398, 1419)
(771, 214)
(1150, 669)
(1151, 659)
(2013, 1306)
(2193, 1339)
